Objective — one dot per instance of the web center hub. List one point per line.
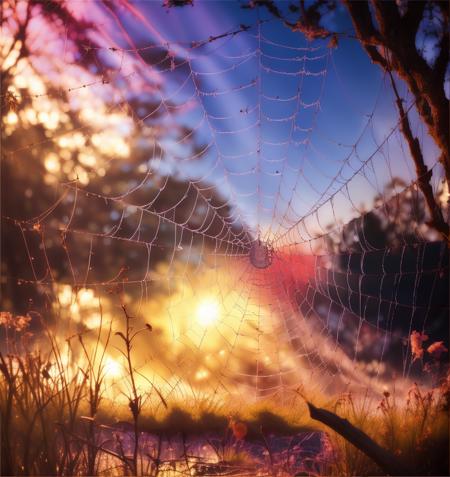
(260, 254)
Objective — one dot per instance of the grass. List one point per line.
(415, 429)
(56, 419)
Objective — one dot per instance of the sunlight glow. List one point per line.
(11, 118)
(191, 235)
(208, 312)
(113, 369)
(201, 374)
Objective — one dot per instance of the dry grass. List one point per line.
(414, 427)
(57, 420)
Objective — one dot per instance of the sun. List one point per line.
(208, 311)
(113, 368)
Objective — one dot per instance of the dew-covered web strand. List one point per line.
(198, 94)
(304, 157)
(244, 295)
(343, 185)
(298, 102)
(323, 198)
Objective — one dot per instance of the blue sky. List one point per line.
(279, 117)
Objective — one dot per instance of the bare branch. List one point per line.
(388, 462)
(423, 173)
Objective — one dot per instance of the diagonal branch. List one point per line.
(424, 174)
(387, 461)
(397, 36)
(365, 29)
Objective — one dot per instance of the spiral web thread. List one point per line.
(322, 314)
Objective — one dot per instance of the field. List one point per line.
(61, 419)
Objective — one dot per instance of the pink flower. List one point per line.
(18, 322)
(22, 322)
(5, 318)
(436, 349)
(239, 429)
(416, 339)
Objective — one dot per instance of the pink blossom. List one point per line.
(5, 318)
(436, 349)
(416, 339)
(18, 322)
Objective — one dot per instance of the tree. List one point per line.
(390, 32)
(63, 96)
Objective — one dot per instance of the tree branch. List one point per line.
(387, 461)
(424, 174)
(365, 29)
(398, 38)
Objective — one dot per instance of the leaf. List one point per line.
(11, 102)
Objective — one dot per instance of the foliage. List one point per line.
(66, 152)
(59, 419)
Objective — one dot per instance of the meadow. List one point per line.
(59, 418)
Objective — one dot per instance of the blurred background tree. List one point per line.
(82, 122)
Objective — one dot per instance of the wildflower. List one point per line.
(416, 339)
(22, 322)
(436, 349)
(6, 318)
(239, 429)
(19, 322)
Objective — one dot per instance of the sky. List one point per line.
(278, 117)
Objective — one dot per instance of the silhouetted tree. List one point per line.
(38, 166)
(408, 38)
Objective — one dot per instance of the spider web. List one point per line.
(336, 304)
